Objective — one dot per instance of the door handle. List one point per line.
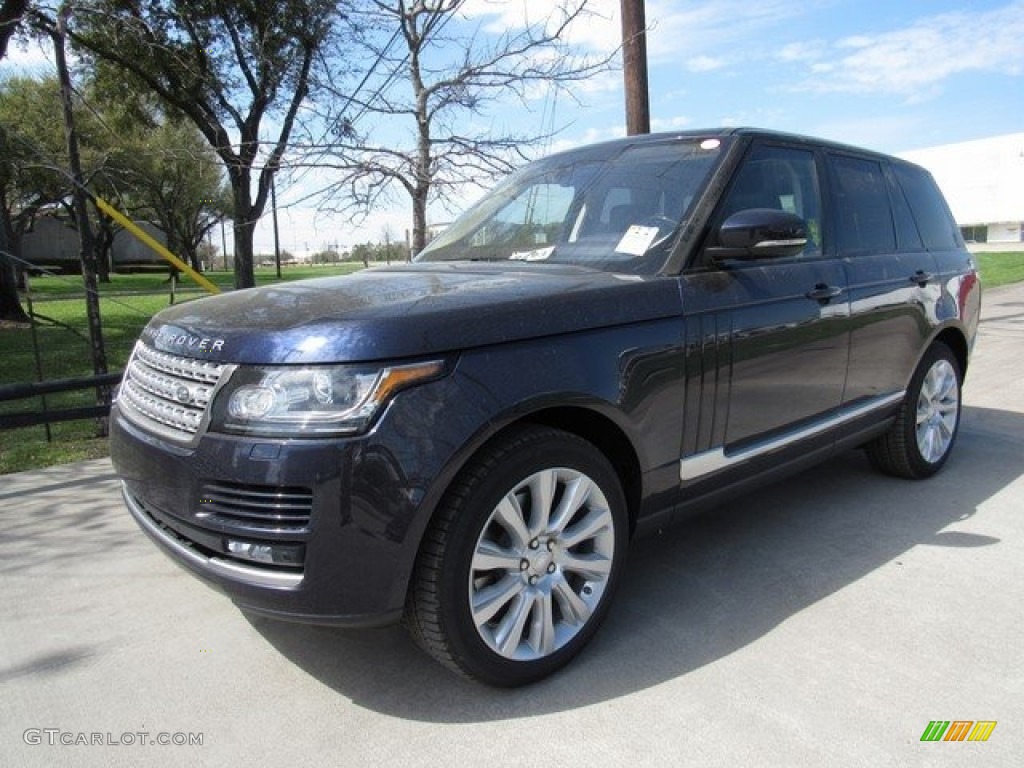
(922, 278)
(823, 293)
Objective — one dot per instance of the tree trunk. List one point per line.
(245, 276)
(10, 306)
(419, 221)
(245, 228)
(172, 246)
(105, 249)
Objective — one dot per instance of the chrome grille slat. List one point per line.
(257, 505)
(168, 394)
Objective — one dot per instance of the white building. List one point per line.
(983, 181)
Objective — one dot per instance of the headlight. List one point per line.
(312, 400)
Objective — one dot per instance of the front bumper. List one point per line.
(355, 510)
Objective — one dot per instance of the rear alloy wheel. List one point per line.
(921, 439)
(518, 569)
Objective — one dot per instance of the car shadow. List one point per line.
(699, 591)
(64, 519)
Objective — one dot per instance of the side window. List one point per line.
(938, 229)
(782, 178)
(863, 217)
(907, 236)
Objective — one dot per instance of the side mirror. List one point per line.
(760, 233)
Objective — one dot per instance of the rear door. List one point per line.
(892, 277)
(767, 340)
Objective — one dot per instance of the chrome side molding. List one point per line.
(700, 465)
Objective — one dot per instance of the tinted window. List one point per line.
(907, 236)
(863, 217)
(938, 230)
(615, 208)
(783, 179)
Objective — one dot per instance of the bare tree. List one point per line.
(437, 83)
(231, 67)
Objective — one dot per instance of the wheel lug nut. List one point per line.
(551, 545)
(533, 581)
(534, 544)
(524, 564)
(551, 568)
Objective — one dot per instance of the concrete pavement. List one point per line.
(823, 621)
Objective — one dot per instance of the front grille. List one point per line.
(255, 506)
(168, 394)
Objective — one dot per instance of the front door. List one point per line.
(767, 341)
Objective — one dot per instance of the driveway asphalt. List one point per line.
(824, 621)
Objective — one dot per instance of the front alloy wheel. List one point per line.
(541, 564)
(517, 570)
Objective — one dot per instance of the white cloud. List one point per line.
(763, 117)
(883, 133)
(670, 123)
(589, 136)
(594, 34)
(696, 30)
(915, 60)
(808, 50)
(705, 64)
(596, 30)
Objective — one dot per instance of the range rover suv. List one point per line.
(616, 337)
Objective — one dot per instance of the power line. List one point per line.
(394, 73)
(369, 73)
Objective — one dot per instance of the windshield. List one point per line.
(615, 208)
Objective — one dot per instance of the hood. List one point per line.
(407, 311)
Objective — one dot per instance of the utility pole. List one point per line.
(634, 67)
(273, 207)
(223, 245)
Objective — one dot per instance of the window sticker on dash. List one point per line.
(637, 240)
(540, 254)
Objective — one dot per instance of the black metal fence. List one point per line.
(46, 415)
(47, 367)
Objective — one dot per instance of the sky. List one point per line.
(890, 76)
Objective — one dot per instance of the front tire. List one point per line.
(921, 439)
(518, 569)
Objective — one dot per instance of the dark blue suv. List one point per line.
(614, 338)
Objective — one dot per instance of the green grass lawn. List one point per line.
(1001, 268)
(52, 286)
(127, 303)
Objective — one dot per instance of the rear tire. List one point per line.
(921, 439)
(518, 569)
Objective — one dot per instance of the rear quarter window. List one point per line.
(907, 236)
(934, 221)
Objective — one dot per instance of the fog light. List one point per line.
(275, 554)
